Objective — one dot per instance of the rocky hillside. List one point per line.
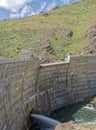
(52, 34)
(73, 126)
(90, 38)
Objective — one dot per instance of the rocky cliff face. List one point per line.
(45, 51)
(90, 38)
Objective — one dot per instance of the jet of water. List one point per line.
(46, 122)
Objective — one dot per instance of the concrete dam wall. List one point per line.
(27, 85)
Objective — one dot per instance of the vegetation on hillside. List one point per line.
(62, 26)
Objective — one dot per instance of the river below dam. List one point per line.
(79, 113)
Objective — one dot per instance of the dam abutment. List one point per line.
(28, 84)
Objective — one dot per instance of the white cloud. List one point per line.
(33, 13)
(25, 11)
(43, 5)
(51, 5)
(66, 1)
(15, 15)
(20, 8)
(13, 5)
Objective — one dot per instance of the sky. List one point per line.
(23, 8)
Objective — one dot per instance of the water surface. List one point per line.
(80, 113)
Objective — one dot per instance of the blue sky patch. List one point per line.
(24, 8)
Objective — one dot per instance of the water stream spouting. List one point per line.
(46, 122)
(90, 107)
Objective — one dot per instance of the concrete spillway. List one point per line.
(26, 85)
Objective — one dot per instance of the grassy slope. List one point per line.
(19, 34)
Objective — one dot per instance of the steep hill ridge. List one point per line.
(63, 27)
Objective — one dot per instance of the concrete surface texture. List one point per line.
(27, 85)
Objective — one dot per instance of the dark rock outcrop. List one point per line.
(90, 37)
(69, 34)
(45, 51)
